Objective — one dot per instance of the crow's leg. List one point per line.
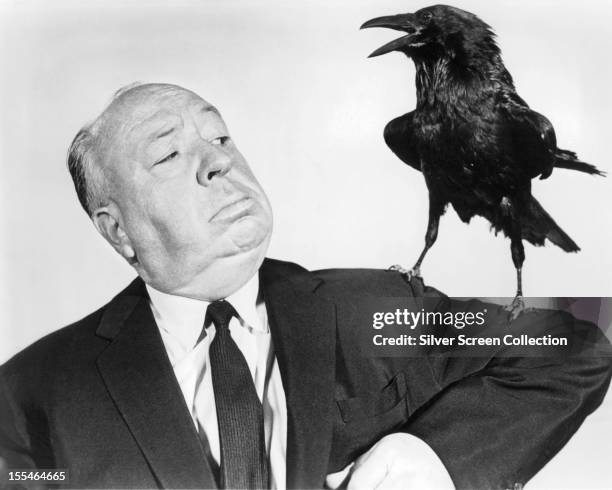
(436, 209)
(518, 257)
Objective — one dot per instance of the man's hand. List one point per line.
(397, 461)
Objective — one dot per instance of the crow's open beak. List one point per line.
(400, 22)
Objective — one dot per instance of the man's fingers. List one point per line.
(368, 472)
(399, 461)
(335, 480)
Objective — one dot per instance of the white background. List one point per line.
(307, 109)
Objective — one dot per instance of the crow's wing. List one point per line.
(533, 138)
(399, 136)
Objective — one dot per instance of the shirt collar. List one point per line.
(183, 317)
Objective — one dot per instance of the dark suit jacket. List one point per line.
(100, 399)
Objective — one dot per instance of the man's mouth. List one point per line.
(234, 210)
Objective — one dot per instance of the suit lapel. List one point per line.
(303, 333)
(140, 379)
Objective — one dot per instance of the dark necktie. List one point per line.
(239, 412)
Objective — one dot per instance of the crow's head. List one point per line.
(439, 30)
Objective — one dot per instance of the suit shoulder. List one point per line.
(337, 283)
(70, 346)
(61, 345)
(377, 282)
(75, 340)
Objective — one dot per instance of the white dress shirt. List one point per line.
(180, 321)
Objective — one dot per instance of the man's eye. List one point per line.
(221, 140)
(167, 158)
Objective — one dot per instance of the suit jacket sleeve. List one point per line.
(498, 419)
(14, 445)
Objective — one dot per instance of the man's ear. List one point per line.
(107, 220)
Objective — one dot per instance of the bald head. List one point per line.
(166, 186)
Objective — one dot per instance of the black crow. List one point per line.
(477, 143)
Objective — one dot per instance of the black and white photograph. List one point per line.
(303, 245)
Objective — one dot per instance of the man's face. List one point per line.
(192, 209)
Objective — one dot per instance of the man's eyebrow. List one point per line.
(162, 133)
(166, 131)
(154, 126)
(210, 108)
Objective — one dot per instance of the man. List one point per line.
(217, 367)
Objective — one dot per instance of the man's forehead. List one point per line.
(149, 104)
(160, 120)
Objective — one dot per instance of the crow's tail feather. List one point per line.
(568, 159)
(538, 225)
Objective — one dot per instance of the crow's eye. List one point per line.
(167, 158)
(221, 140)
(426, 16)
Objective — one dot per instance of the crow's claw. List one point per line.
(407, 273)
(515, 308)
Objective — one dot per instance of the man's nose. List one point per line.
(214, 162)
